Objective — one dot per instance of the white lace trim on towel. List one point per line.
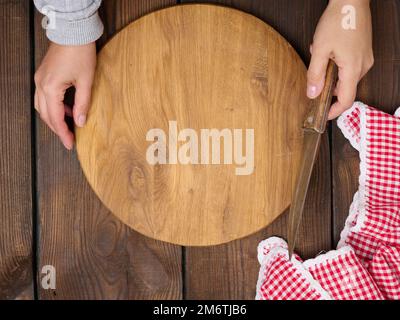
(357, 208)
(277, 246)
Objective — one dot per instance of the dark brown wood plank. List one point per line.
(95, 255)
(380, 88)
(16, 276)
(230, 271)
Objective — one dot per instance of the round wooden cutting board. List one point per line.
(162, 84)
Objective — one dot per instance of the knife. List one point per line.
(314, 127)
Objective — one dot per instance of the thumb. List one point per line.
(82, 103)
(316, 73)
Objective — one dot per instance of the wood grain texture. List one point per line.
(95, 255)
(235, 267)
(221, 272)
(180, 72)
(16, 277)
(380, 88)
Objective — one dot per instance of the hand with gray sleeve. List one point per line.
(73, 26)
(343, 34)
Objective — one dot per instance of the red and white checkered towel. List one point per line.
(366, 264)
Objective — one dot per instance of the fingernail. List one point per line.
(311, 91)
(69, 148)
(81, 120)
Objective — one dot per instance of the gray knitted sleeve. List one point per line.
(71, 22)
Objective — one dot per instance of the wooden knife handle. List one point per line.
(319, 108)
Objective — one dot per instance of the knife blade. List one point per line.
(314, 127)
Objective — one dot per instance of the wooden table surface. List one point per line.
(50, 216)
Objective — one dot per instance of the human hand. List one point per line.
(351, 49)
(62, 68)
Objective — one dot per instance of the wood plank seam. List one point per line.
(35, 207)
